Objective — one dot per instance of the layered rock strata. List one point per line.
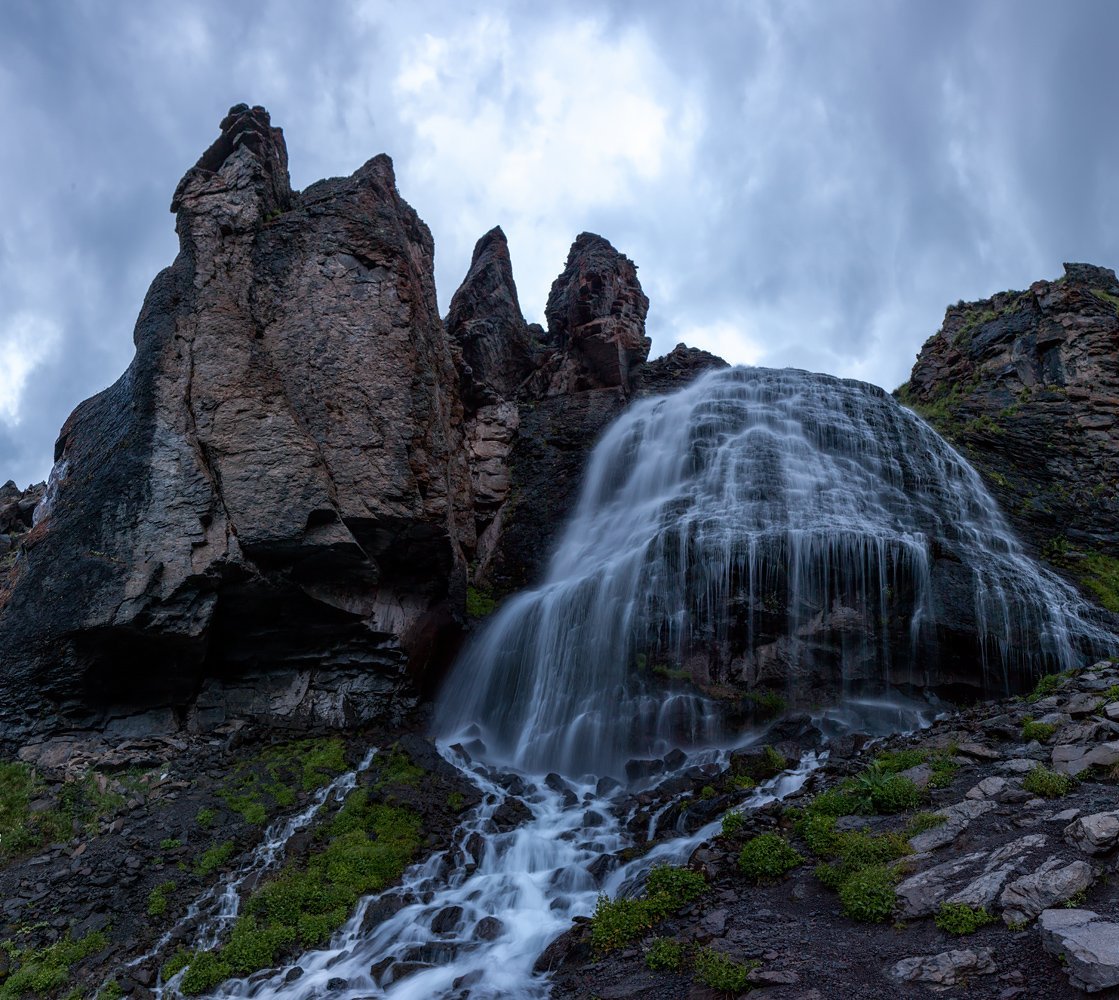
(1027, 386)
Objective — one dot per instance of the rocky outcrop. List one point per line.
(278, 480)
(1026, 385)
(274, 513)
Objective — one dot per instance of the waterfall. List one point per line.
(771, 527)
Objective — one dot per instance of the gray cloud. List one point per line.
(801, 183)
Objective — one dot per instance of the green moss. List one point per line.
(670, 673)
(157, 899)
(170, 844)
(480, 602)
(205, 818)
(1100, 574)
(455, 802)
(396, 768)
(616, 922)
(213, 858)
(767, 856)
(111, 991)
(1040, 731)
(365, 848)
(665, 955)
(1047, 685)
(775, 761)
(1048, 784)
(707, 792)
(720, 972)
(959, 918)
(42, 971)
(767, 704)
(271, 780)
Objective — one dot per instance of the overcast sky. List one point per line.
(801, 183)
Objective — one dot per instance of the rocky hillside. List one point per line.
(976, 858)
(280, 510)
(1026, 384)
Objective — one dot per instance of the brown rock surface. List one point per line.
(279, 478)
(1026, 384)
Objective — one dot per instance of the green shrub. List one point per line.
(1040, 731)
(616, 922)
(767, 856)
(176, 963)
(959, 918)
(836, 802)
(1048, 685)
(719, 972)
(205, 971)
(157, 899)
(707, 792)
(214, 857)
(743, 782)
(1048, 784)
(205, 818)
(170, 844)
(665, 955)
(479, 602)
(42, 971)
(894, 761)
(775, 761)
(868, 893)
(733, 821)
(879, 791)
(944, 767)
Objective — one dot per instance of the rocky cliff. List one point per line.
(276, 510)
(1026, 384)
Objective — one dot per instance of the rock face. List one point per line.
(1026, 385)
(279, 479)
(273, 513)
(1086, 943)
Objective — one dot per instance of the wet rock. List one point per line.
(1095, 834)
(1085, 943)
(638, 769)
(675, 759)
(488, 929)
(1051, 884)
(446, 921)
(945, 969)
(513, 812)
(605, 786)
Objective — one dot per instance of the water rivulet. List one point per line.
(760, 528)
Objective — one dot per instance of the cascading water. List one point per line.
(753, 511)
(779, 525)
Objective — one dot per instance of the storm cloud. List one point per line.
(801, 183)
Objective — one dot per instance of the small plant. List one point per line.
(733, 821)
(880, 791)
(170, 844)
(112, 990)
(1076, 900)
(616, 922)
(480, 603)
(456, 802)
(1048, 784)
(1048, 685)
(775, 761)
(176, 963)
(894, 761)
(707, 792)
(1040, 731)
(743, 782)
(767, 704)
(214, 857)
(205, 818)
(665, 955)
(157, 899)
(767, 856)
(719, 972)
(924, 821)
(959, 918)
(868, 894)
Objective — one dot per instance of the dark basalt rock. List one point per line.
(1027, 386)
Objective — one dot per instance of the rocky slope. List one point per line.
(276, 510)
(1013, 819)
(1027, 386)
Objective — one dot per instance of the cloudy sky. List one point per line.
(802, 182)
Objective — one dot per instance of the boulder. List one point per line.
(1085, 943)
(1049, 885)
(945, 969)
(1095, 834)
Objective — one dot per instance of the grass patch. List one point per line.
(959, 918)
(42, 971)
(1048, 784)
(1040, 731)
(665, 955)
(616, 922)
(365, 848)
(924, 821)
(767, 856)
(720, 972)
(213, 858)
(157, 899)
(270, 780)
(1100, 574)
(1047, 685)
(396, 768)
